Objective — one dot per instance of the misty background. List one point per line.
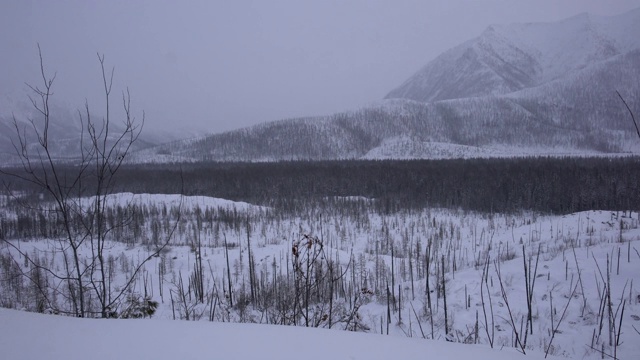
(219, 65)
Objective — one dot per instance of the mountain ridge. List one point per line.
(507, 58)
(574, 115)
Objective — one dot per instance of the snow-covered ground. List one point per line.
(35, 336)
(582, 257)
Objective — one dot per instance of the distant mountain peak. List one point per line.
(508, 58)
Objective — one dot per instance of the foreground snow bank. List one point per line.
(34, 336)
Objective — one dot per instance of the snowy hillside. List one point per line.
(579, 114)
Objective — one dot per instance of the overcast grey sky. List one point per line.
(221, 65)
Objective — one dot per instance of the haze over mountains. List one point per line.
(516, 89)
(65, 128)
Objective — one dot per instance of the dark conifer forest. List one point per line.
(547, 185)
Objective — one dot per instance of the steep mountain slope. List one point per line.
(513, 57)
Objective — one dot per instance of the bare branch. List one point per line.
(635, 123)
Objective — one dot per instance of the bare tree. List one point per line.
(79, 193)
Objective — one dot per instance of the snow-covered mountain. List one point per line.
(518, 89)
(508, 58)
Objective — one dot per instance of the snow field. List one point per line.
(361, 243)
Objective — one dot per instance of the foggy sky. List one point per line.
(221, 65)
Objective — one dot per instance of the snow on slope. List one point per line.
(406, 148)
(33, 336)
(507, 58)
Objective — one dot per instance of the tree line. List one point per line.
(544, 184)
